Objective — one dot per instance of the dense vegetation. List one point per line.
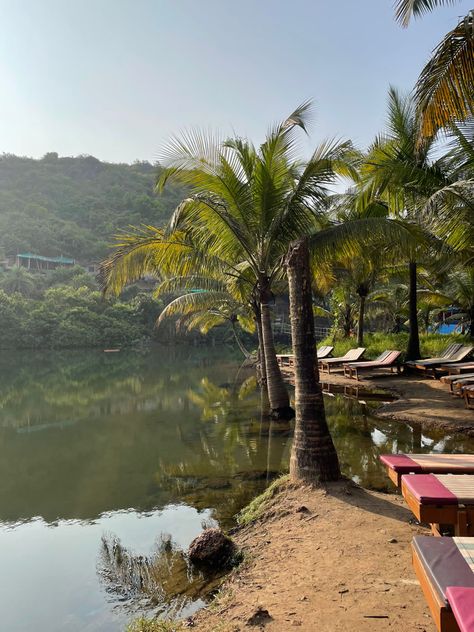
(73, 206)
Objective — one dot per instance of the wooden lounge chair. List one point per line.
(445, 570)
(468, 394)
(458, 385)
(288, 360)
(429, 366)
(386, 360)
(450, 379)
(446, 355)
(351, 356)
(442, 499)
(399, 464)
(458, 368)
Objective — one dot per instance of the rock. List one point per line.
(213, 549)
(260, 617)
(393, 541)
(303, 509)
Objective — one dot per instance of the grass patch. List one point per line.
(257, 507)
(154, 625)
(432, 345)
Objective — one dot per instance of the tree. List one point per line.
(403, 175)
(444, 92)
(313, 457)
(246, 204)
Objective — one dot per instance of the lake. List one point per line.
(111, 463)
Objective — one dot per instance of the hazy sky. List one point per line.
(115, 78)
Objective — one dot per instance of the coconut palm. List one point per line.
(450, 210)
(247, 204)
(444, 91)
(402, 174)
(313, 456)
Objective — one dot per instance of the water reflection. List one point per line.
(136, 446)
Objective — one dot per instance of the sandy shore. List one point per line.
(323, 560)
(420, 400)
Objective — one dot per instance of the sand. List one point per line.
(324, 560)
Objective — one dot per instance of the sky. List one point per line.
(117, 78)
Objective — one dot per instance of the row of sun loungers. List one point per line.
(460, 375)
(439, 489)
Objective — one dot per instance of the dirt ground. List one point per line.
(420, 400)
(323, 560)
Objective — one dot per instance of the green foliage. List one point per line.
(73, 206)
(431, 344)
(67, 317)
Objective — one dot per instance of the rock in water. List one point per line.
(213, 549)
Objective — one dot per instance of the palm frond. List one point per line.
(405, 9)
(444, 91)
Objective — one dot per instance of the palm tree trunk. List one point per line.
(360, 325)
(413, 349)
(277, 393)
(347, 326)
(313, 456)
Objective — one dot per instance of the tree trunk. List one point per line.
(347, 326)
(360, 325)
(471, 323)
(277, 392)
(313, 456)
(413, 349)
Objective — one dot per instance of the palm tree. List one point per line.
(401, 173)
(247, 204)
(450, 210)
(444, 91)
(313, 456)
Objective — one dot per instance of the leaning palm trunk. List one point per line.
(413, 349)
(277, 393)
(313, 457)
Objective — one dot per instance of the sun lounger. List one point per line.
(399, 464)
(351, 356)
(429, 366)
(386, 360)
(456, 369)
(455, 382)
(468, 394)
(446, 355)
(442, 499)
(288, 360)
(445, 570)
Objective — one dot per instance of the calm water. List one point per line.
(140, 451)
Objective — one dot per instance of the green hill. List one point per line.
(74, 206)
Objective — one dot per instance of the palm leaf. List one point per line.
(404, 9)
(444, 91)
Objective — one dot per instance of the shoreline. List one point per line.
(427, 403)
(335, 557)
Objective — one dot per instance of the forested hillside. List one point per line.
(73, 206)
